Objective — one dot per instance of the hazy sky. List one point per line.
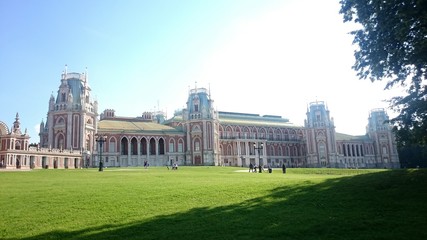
(257, 56)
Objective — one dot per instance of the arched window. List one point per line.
(287, 151)
(237, 132)
(229, 149)
(112, 145)
(272, 151)
(180, 145)
(322, 150)
(17, 145)
(134, 146)
(262, 133)
(285, 135)
(171, 145)
(280, 151)
(228, 132)
(143, 146)
(124, 146)
(60, 141)
(271, 134)
(152, 147)
(161, 146)
(344, 150)
(278, 135)
(246, 132)
(196, 146)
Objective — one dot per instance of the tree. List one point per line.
(392, 45)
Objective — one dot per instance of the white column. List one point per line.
(129, 153)
(239, 154)
(138, 143)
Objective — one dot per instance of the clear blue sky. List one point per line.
(257, 56)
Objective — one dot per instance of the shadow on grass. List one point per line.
(383, 205)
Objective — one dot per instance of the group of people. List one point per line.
(255, 168)
(173, 166)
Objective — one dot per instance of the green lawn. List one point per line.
(213, 203)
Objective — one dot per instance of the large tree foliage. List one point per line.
(392, 45)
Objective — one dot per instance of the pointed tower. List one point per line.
(321, 144)
(17, 125)
(202, 129)
(72, 117)
(385, 147)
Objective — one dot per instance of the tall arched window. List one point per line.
(180, 145)
(161, 146)
(280, 151)
(60, 141)
(134, 146)
(17, 145)
(143, 146)
(112, 145)
(322, 150)
(171, 145)
(196, 145)
(229, 149)
(124, 146)
(152, 147)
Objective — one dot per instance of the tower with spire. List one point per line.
(202, 128)
(320, 137)
(384, 142)
(71, 121)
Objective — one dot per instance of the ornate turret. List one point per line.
(380, 130)
(41, 128)
(199, 105)
(72, 117)
(51, 102)
(321, 144)
(378, 121)
(202, 128)
(16, 125)
(318, 115)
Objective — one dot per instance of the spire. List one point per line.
(70, 96)
(41, 128)
(65, 71)
(86, 77)
(16, 125)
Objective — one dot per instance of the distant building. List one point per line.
(195, 135)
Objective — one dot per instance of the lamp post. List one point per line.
(259, 147)
(100, 139)
(86, 159)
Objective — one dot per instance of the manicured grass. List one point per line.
(213, 203)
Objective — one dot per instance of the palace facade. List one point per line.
(75, 136)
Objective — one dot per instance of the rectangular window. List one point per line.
(180, 147)
(171, 147)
